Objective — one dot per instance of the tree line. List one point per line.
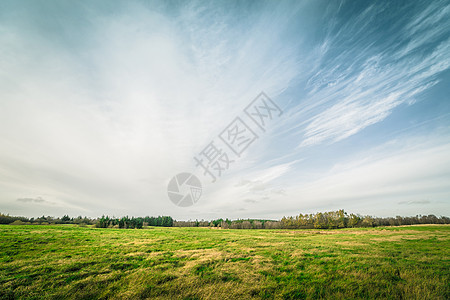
(320, 220)
(102, 222)
(340, 219)
(126, 222)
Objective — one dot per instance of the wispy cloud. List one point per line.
(364, 84)
(413, 202)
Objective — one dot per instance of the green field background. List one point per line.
(70, 262)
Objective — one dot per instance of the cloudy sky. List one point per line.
(103, 102)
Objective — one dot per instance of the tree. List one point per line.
(367, 221)
(320, 221)
(354, 220)
(257, 224)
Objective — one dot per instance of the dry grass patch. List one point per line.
(350, 243)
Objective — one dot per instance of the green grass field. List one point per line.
(69, 262)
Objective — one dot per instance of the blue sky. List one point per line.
(102, 103)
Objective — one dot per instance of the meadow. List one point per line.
(71, 262)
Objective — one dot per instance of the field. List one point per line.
(69, 262)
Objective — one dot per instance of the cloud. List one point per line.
(387, 174)
(39, 200)
(412, 202)
(261, 182)
(347, 118)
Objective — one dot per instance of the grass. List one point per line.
(69, 262)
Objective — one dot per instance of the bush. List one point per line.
(18, 222)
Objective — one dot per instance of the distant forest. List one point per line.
(320, 220)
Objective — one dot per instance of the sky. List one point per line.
(102, 103)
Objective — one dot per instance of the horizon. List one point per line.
(224, 218)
